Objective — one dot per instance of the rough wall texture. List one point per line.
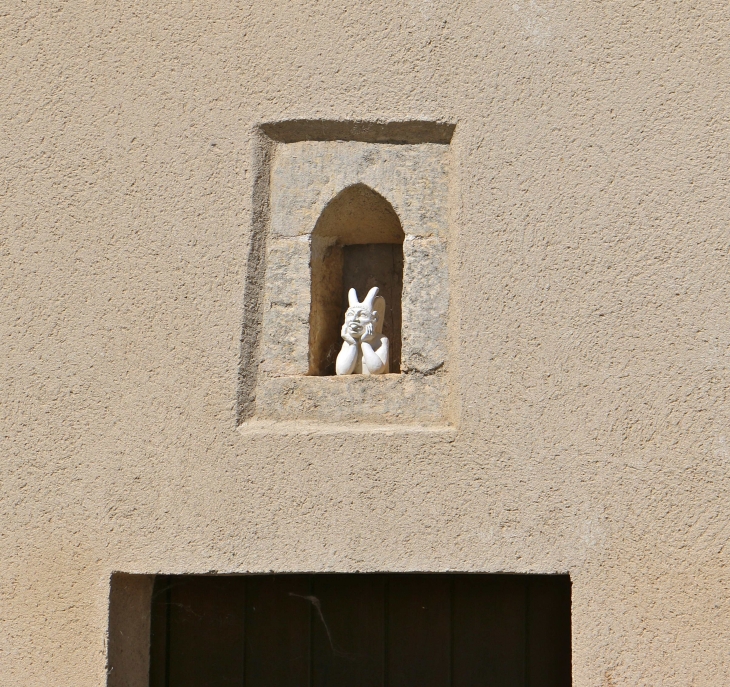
(589, 287)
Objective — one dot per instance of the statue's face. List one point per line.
(357, 319)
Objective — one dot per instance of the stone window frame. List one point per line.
(299, 168)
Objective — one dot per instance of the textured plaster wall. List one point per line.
(589, 274)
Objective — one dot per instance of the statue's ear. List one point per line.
(352, 297)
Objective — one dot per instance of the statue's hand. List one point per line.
(368, 334)
(347, 337)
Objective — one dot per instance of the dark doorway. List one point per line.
(361, 630)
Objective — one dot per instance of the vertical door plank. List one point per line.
(548, 631)
(277, 631)
(159, 631)
(206, 631)
(418, 639)
(348, 630)
(489, 648)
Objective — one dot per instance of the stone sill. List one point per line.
(257, 427)
(380, 400)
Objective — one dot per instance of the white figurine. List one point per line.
(364, 349)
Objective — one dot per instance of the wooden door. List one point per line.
(361, 630)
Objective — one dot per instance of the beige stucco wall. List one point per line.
(589, 287)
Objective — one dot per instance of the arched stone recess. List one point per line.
(357, 243)
(353, 214)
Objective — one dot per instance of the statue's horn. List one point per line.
(352, 298)
(368, 302)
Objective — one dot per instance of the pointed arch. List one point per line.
(358, 215)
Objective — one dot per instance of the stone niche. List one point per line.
(368, 209)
